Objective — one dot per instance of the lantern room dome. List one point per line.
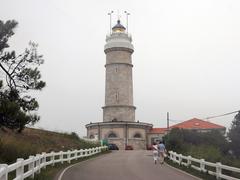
(118, 27)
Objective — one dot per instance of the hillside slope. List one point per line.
(32, 141)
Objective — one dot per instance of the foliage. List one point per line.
(21, 76)
(234, 134)
(180, 140)
(175, 140)
(207, 152)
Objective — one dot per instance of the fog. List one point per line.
(186, 59)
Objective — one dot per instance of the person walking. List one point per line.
(155, 152)
(161, 152)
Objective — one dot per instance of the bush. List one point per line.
(207, 152)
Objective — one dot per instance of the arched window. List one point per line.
(112, 135)
(91, 136)
(137, 135)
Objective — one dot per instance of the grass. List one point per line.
(201, 174)
(191, 171)
(33, 141)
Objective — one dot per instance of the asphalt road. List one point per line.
(123, 165)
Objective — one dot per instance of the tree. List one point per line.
(234, 135)
(175, 140)
(22, 76)
(180, 140)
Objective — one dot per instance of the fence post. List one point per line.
(170, 155)
(218, 170)
(61, 157)
(175, 156)
(76, 154)
(53, 158)
(38, 163)
(4, 169)
(31, 165)
(80, 153)
(86, 152)
(180, 159)
(44, 160)
(69, 156)
(202, 165)
(20, 170)
(189, 161)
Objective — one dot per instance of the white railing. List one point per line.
(201, 165)
(34, 164)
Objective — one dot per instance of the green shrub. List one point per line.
(207, 152)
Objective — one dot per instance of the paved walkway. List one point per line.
(123, 165)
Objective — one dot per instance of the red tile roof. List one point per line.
(197, 124)
(158, 130)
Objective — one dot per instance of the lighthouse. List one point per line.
(118, 83)
(118, 125)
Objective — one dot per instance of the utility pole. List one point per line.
(167, 122)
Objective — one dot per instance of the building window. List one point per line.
(112, 135)
(137, 135)
(91, 136)
(116, 69)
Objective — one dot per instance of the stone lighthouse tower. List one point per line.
(119, 126)
(119, 86)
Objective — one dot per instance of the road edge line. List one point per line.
(184, 172)
(65, 169)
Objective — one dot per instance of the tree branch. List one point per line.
(9, 75)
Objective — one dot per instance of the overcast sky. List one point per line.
(186, 59)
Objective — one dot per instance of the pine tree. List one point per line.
(19, 75)
(234, 135)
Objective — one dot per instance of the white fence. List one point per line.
(201, 165)
(34, 164)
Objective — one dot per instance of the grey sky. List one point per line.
(186, 58)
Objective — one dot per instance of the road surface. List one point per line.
(123, 165)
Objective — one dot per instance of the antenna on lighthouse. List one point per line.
(110, 16)
(127, 14)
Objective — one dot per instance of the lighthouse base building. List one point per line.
(121, 133)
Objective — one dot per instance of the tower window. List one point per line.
(112, 135)
(117, 96)
(116, 69)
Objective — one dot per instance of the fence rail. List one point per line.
(215, 169)
(34, 164)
